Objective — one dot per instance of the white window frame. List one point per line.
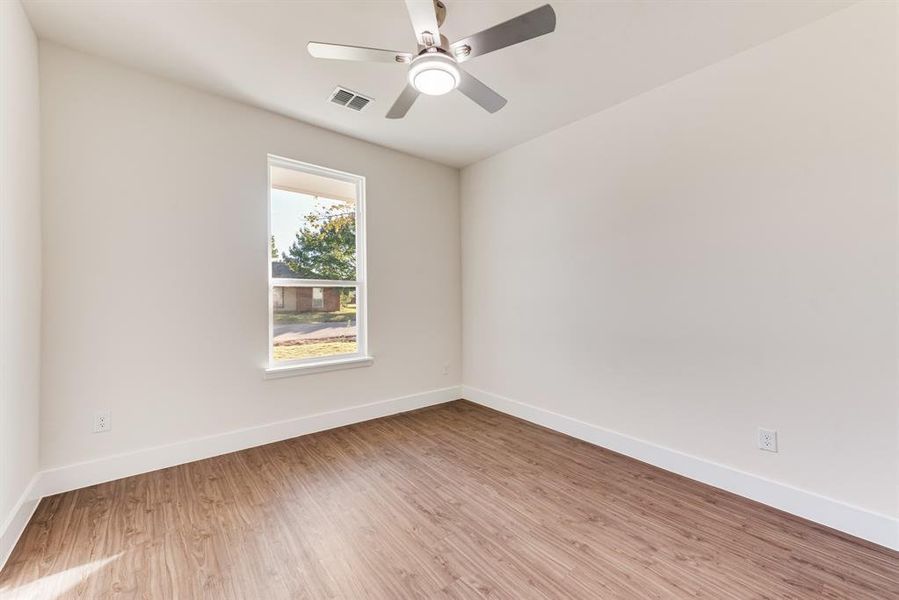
(318, 301)
(336, 361)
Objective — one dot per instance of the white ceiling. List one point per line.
(601, 53)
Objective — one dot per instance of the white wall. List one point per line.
(20, 263)
(715, 255)
(155, 203)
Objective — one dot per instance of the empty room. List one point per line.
(421, 299)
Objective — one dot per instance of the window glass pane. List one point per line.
(313, 237)
(313, 324)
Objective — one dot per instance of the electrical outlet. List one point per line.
(767, 440)
(446, 369)
(102, 421)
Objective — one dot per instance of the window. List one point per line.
(317, 266)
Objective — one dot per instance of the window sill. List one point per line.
(318, 367)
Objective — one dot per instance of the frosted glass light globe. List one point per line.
(434, 75)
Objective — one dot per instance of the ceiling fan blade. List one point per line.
(529, 25)
(472, 87)
(424, 21)
(403, 103)
(340, 52)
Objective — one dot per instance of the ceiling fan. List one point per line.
(434, 68)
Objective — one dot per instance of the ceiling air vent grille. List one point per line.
(349, 99)
(358, 102)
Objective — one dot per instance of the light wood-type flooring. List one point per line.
(453, 501)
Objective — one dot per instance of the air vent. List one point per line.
(358, 102)
(349, 99)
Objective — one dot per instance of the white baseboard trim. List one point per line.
(79, 475)
(17, 520)
(859, 522)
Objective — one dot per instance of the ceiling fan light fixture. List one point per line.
(435, 71)
(434, 75)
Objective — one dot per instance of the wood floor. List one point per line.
(455, 501)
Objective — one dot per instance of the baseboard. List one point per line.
(17, 520)
(79, 475)
(877, 528)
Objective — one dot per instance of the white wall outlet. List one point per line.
(102, 421)
(767, 440)
(446, 369)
